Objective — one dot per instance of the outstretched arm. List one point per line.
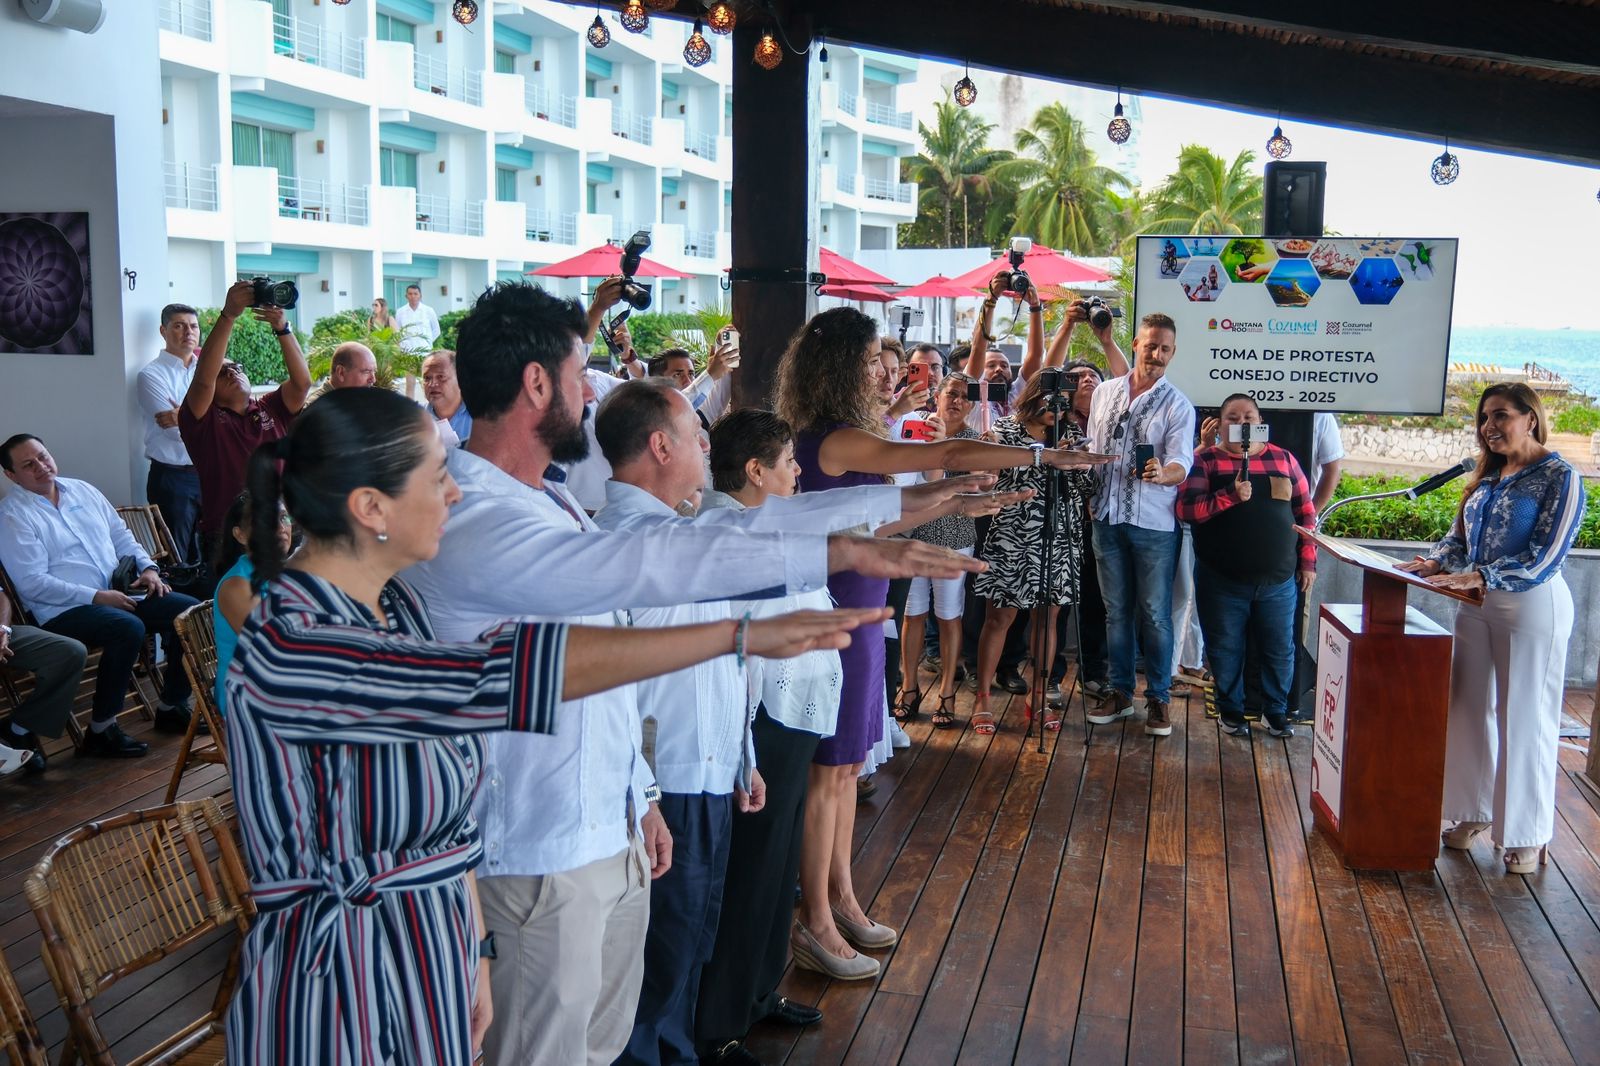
(203, 387)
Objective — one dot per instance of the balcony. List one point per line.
(846, 183)
(898, 192)
(884, 115)
(702, 244)
(632, 127)
(703, 145)
(441, 79)
(190, 18)
(439, 214)
(192, 186)
(552, 107)
(315, 200)
(622, 229)
(552, 227)
(310, 43)
(847, 102)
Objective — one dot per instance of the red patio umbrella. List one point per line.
(938, 287)
(602, 262)
(841, 271)
(870, 293)
(1044, 265)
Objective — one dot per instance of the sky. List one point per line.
(1529, 229)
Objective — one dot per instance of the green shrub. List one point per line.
(338, 327)
(1427, 518)
(252, 346)
(1577, 419)
(448, 322)
(652, 331)
(394, 362)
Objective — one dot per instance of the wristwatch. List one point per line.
(486, 948)
(652, 794)
(5, 630)
(284, 332)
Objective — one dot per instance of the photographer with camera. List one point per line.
(1244, 498)
(992, 366)
(221, 423)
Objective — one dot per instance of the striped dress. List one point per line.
(354, 755)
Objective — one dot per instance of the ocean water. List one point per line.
(1574, 354)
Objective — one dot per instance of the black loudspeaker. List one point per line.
(1293, 199)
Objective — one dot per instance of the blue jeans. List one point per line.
(119, 635)
(1236, 616)
(176, 490)
(1136, 568)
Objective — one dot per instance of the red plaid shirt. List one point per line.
(1209, 491)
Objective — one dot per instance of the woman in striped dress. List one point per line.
(354, 748)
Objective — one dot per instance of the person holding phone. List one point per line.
(1243, 499)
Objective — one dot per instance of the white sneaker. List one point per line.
(12, 760)
(897, 736)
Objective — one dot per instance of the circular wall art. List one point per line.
(45, 301)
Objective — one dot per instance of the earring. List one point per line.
(383, 537)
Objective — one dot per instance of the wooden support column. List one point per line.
(775, 214)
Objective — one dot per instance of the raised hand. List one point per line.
(798, 632)
(897, 558)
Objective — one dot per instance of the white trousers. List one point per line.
(1507, 678)
(1188, 646)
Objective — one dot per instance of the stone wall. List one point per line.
(1425, 447)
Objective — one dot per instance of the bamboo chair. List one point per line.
(144, 521)
(20, 1043)
(115, 896)
(138, 699)
(198, 638)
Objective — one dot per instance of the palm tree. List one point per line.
(954, 164)
(1060, 187)
(1207, 195)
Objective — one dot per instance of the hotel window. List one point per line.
(397, 168)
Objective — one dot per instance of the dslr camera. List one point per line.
(635, 295)
(1100, 313)
(1017, 280)
(268, 293)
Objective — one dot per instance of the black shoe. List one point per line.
(1236, 727)
(172, 719)
(1008, 679)
(28, 742)
(113, 744)
(1299, 716)
(1278, 725)
(733, 1053)
(788, 1012)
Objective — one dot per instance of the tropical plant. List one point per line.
(394, 362)
(657, 330)
(1207, 195)
(1428, 518)
(1059, 185)
(252, 345)
(449, 322)
(953, 170)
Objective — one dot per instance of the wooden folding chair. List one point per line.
(116, 896)
(20, 1044)
(15, 686)
(198, 637)
(144, 521)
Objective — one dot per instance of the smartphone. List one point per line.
(916, 429)
(729, 335)
(1247, 433)
(993, 391)
(919, 375)
(1142, 454)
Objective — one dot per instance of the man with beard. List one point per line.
(1136, 535)
(569, 825)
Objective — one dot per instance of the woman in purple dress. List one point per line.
(830, 390)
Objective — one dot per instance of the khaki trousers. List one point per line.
(571, 959)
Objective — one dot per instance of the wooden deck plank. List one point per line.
(1208, 1005)
(1419, 1015)
(1156, 1030)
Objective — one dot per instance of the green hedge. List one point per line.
(1427, 518)
(252, 346)
(448, 322)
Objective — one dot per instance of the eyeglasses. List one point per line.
(1122, 424)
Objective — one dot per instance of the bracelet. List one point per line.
(740, 633)
(1036, 309)
(988, 305)
(1038, 455)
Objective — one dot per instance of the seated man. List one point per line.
(56, 663)
(61, 541)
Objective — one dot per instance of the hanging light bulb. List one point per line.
(722, 18)
(464, 11)
(599, 36)
(965, 91)
(1119, 129)
(769, 53)
(1447, 167)
(1279, 146)
(634, 18)
(696, 51)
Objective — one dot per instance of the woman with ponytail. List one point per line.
(354, 743)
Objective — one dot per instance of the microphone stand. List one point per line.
(1336, 504)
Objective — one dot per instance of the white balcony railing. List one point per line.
(553, 107)
(884, 115)
(703, 145)
(895, 191)
(847, 101)
(191, 185)
(439, 214)
(315, 200)
(702, 244)
(310, 43)
(552, 227)
(622, 229)
(632, 127)
(846, 183)
(441, 79)
(191, 18)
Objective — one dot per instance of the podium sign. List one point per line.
(1327, 741)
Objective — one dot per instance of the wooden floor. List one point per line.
(1135, 900)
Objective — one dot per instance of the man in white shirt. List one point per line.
(419, 326)
(1136, 537)
(62, 541)
(172, 483)
(569, 822)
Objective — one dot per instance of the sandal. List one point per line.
(1052, 718)
(982, 720)
(1526, 860)
(945, 716)
(906, 705)
(1462, 834)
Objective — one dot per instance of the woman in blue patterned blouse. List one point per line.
(1518, 518)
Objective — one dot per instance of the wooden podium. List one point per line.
(1383, 691)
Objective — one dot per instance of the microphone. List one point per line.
(1444, 477)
